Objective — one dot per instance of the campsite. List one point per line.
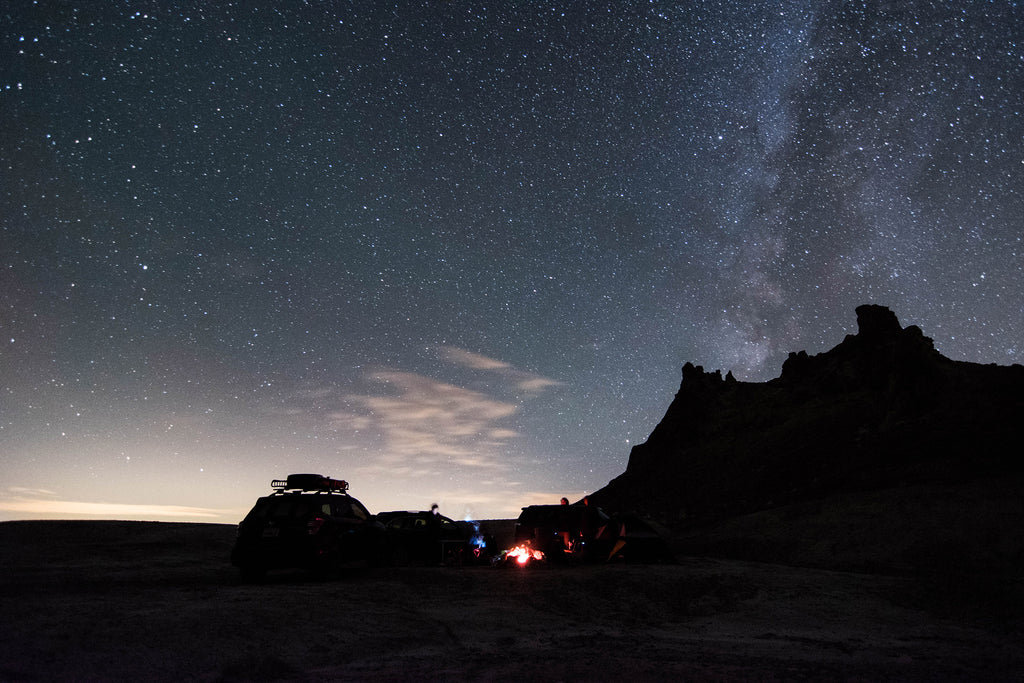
(105, 600)
(886, 546)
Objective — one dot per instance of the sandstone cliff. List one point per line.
(881, 411)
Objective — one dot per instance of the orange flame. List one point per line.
(523, 554)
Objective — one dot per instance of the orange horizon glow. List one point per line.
(55, 508)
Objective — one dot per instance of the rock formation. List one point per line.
(881, 410)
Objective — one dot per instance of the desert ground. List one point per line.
(159, 601)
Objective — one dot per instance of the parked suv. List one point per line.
(310, 522)
(564, 532)
(423, 537)
(585, 533)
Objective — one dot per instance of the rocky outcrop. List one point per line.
(882, 409)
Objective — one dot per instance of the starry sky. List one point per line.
(457, 252)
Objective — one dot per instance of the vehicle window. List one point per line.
(537, 516)
(351, 508)
(261, 509)
(326, 508)
(410, 523)
(281, 508)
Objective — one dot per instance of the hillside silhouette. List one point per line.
(880, 434)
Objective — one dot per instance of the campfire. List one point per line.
(523, 555)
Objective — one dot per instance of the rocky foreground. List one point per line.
(153, 601)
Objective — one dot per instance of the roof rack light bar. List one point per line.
(309, 482)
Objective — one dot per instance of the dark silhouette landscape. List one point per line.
(879, 453)
(857, 518)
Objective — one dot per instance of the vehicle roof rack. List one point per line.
(309, 482)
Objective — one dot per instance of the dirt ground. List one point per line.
(153, 601)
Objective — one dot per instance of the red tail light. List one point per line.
(314, 525)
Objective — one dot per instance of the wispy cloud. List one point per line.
(472, 360)
(417, 425)
(21, 491)
(47, 507)
(528, 382)
(425, 420)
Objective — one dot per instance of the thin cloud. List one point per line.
(22, 491)
(408, 397)
(534, 384)
(417, 426)
(53, 508)
(527, 382)
(423, 424)
(472, 360)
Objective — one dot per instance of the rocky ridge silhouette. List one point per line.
(883, 410)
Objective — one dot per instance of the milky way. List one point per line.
(458, 253)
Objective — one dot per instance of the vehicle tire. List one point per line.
(400, 556)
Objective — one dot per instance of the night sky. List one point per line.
(457, 252)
